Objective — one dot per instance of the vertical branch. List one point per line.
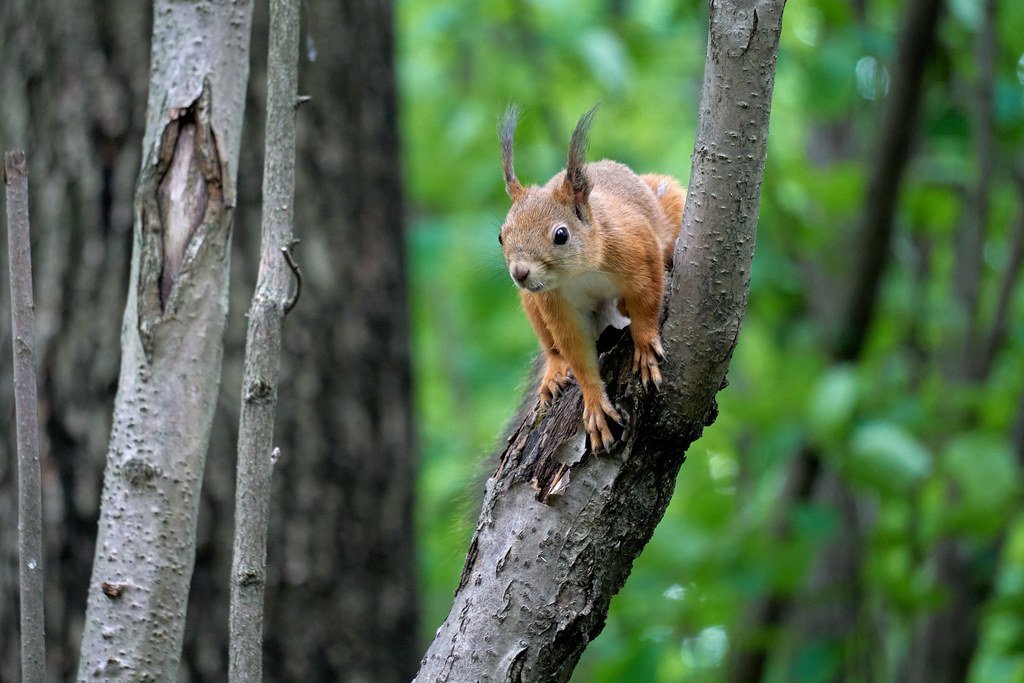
(749, 659)
(171, 341)
(971, 238)
(30, 506)
(270, 304)
(898, 123)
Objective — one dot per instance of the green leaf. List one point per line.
(835, 400)
(985, 480)
(886, 457)
(607, 59)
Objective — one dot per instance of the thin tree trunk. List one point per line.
(749, 659)
(944, 640)
(171, 341)
(73, 75)
(263, 350)
(970, 238)
(341, 551)
(916, 38)
(30, 503)
(560, 528)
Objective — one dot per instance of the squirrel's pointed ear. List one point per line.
(577, 185)
(506, 133)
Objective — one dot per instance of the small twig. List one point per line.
(298, 280)
(263, 351)
(30, 507)
(302, 99)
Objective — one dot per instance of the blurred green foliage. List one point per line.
(927, 454)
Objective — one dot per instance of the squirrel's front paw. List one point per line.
(556, 375)
(645, 361)
(597, 426)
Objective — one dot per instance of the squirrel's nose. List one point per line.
(520, 273)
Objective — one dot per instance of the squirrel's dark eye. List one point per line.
(499, 240)
(561, 235)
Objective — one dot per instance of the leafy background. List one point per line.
(927, 454)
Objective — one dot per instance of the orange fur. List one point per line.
(672, 197)
(620, 231)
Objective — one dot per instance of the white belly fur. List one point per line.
(595, 298)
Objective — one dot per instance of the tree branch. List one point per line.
(1007, 285)
(30, 503)
(917, 36)
(970, 239)
(270, 304)
(560, 528)
(172, 341)
(748, 659)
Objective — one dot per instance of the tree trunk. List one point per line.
(560, 527)
(341, 574)
(271, 302)
(30, 498)
(73, 76)
(749, 659)
(172, 341)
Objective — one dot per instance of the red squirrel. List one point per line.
(596, 237)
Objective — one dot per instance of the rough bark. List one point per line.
(341, 553)
(171, 341)
(23, 339)
(270, 304)
(560, 528)
(73, 77)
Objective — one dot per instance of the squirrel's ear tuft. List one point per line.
(506, 133)
(576, 183)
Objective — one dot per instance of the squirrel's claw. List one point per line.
(597, 426)
(556, 376)
(645, 363)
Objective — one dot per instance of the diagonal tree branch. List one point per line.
(30, 503)
(560, 528)
(270, 303)
(1007, 286)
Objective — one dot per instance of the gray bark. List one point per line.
(263, 350)
(171, 341)
(73, 75)
(560, 528)
(30, 503)
(341, 570)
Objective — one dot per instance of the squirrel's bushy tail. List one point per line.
(672, 197)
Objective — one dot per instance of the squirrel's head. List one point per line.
(547, 234)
